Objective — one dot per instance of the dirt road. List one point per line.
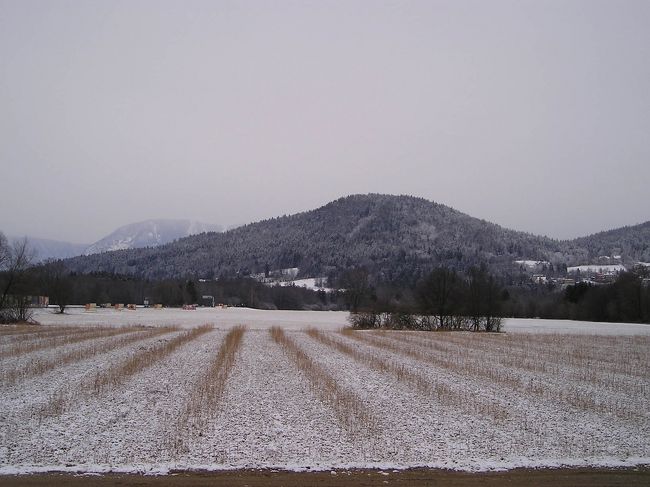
(416, 478)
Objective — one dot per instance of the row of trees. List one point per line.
(443, 300)
(625, 300)
(15, 260)
(446, 299)
(20, 282)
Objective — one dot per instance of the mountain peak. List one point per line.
(395, 238)
(149, 233)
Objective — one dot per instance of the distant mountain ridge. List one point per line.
(394, 237)
(149, 233)
(47, 249)
(632, 241)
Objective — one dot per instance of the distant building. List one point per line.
(564, 282)
(601, 278)
(539, 279)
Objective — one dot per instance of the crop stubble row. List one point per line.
(354, 416)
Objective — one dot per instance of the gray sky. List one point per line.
(531, 114)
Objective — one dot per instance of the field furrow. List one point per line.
(437, 389)
(127, 424)
(526, 364)
(574, 395)
(529, 420)
(349, 408)
(33, 332)
(270, 416)
(66, 338)
(39, 365)
(436, 424)
(627, 355)
(205, 398)
(155, 399)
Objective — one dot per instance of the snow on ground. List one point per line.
(449, 437)
(605, 268)
(532, 263)
(263, 319)
(536, 325)
(126, 426)
(313, 283)
(219, 317)
(546, 393)
(269, 417)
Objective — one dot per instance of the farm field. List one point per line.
(246, 392)
(298, 320)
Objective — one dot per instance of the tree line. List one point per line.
(21, 283)
(626, 300)
(446, 299)
(443, 300)
(15, 260)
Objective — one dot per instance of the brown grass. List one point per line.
(502, 367)
(402, 373)
(445, 395)
(350, 410)
(24, 333)
(36, 367)
(619, 364)
(612, 363)
(117, 374)
(578, 350)
(67, 337)
(453, 363)
(18, 329)
(204, 401)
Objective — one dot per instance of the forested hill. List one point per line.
(396, 238)
(632, 243)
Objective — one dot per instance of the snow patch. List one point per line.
(532, 263)
(597, 268)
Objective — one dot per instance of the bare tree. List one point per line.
(357, 288)
(4, 251)
(438, 294)
(14, 260)
(483, 303)
(57, 284)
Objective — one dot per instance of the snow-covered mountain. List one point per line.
(395, 238)
(149, 233)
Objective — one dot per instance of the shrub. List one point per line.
(364, 320)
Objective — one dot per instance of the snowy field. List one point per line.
(605, 268)
(219, 317)
(255, 319)
(103, 397)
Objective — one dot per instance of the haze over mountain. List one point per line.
(149, 233)
(46, 249)
(394, 237)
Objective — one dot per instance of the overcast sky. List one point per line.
(531, 114)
